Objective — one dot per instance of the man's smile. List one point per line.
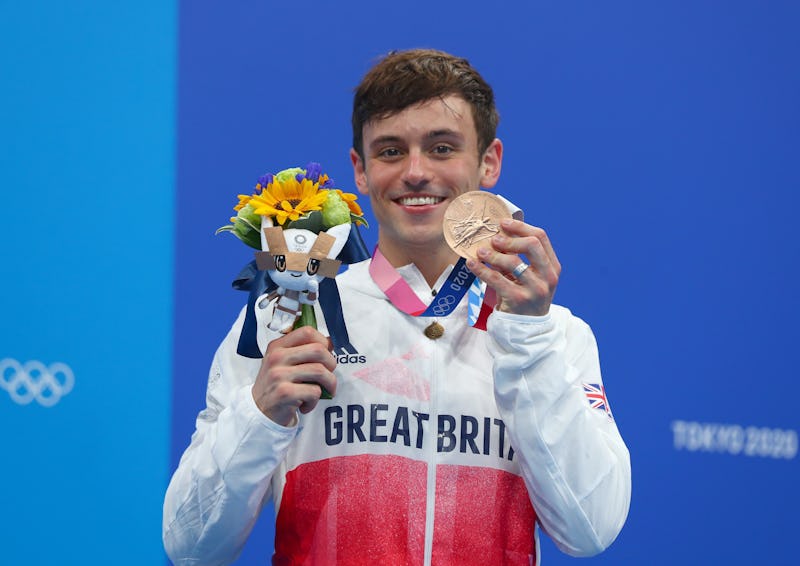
(425, 200)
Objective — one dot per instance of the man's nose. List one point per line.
(416, 171)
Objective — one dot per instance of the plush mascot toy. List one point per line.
(297, 260)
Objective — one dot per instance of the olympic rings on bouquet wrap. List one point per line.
(34, 380)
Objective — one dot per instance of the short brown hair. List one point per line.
(404, 78)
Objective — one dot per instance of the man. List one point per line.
(447, 447)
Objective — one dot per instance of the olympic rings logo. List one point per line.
(443, 304)
(35, 381)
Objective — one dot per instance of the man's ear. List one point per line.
(359, 172)
(491, 163)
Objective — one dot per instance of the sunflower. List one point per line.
(243, 200)
(350, 199)
(288, 199)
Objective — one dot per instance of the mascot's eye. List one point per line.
(280, 263)
(313, 266)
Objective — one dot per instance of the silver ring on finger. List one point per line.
(519, 270)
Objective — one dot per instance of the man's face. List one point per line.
(415, 163)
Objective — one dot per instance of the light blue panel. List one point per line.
(87, 112)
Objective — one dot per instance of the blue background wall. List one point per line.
(657, 143)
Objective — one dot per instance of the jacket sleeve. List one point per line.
(574, 461)
(224, 476)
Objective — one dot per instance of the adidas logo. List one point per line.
(351, 359)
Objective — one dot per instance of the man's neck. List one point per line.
(431, 261)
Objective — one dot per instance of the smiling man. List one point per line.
(451, 446)
(412, 164)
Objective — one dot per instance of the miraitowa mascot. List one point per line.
(304, 229)
(297, 260)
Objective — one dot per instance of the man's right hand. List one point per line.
(295, 369)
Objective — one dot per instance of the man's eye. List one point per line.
(389, 152)
(442, 149)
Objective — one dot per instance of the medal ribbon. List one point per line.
(403, 297)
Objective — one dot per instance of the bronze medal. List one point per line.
(471, 220)
(434, 330)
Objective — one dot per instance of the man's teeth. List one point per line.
(420, 201)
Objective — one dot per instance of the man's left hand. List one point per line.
(531, 291)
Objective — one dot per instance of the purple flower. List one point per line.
(313, 171)
(265, 180)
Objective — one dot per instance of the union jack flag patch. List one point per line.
(596, 394)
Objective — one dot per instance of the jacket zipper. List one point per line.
(430, 497)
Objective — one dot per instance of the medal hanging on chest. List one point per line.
(405, 300)
(434, 330)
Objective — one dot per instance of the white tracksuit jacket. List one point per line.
(443, 452)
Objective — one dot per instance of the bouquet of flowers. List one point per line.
(293, 198)
(300, 222)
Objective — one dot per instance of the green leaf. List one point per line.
(311, 221)
(356, 219)
(251, 238)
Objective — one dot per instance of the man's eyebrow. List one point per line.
(380, 140)
(432, 135)
(445, 132)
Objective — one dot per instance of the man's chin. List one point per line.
(430, 240)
